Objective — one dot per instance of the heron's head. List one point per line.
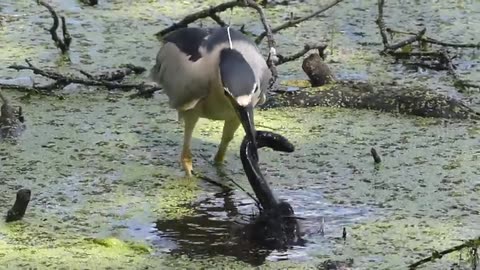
(240, 86)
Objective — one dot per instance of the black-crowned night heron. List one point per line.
(217, 74)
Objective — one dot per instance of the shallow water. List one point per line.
(107, 190)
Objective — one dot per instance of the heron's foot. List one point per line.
(186, 161)
(219, 158)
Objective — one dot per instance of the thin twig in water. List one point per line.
(291, 23)
(381, 24)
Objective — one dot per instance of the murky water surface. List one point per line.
(107, 190)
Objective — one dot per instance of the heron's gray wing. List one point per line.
(177, 69)
(188, 41)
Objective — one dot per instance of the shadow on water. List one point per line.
(214, 229)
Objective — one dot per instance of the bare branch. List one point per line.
(405, 55)
(67, 39)
(218, 20)
(295, 56)
(441, 57)
(381, 24)
(64, 44)
(198, 15)
(60, 81)
(474, 243)
(272, 56)
(436, 41)
(291, 23)
(447, 44)
(410, 40)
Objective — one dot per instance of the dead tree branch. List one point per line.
(387, 48)
(63, 45)
(272, 55)
(396, 46)
(295, 22)
(381, 24)
(474, 243)
(209, 12)
(441, 59)
(218, 20)
(284, 59)
(436, 41)
(61, 80)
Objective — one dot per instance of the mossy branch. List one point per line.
(473, 243)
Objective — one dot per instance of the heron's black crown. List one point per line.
(236, 74)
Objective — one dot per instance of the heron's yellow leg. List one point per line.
(190, 119)
(229, 129)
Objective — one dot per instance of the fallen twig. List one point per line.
(62, 80)
(64, 44)
(458, 82)
(291, 23)
(441, 57)
(405, 55)
(436, 41)
(473, 243)
(117, 74)
(387, 48)
(396, 46)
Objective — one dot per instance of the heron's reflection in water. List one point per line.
(219, 226)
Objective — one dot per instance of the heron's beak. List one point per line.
(245, 113)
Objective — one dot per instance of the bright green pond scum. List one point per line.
(108, 192)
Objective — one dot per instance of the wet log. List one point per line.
(317, 70)
(359, 95)
(20, 206)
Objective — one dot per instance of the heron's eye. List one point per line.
(226, 91)
(255, 88)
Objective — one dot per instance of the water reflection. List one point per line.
(218, 227)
